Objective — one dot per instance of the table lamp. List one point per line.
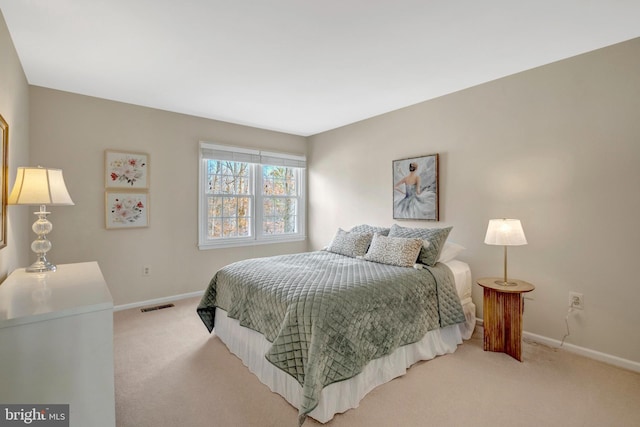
(40, 186)
(505, 232)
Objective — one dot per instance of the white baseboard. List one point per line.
(592, 354)
(158, 301)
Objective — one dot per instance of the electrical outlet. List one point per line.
(146, 270)
(576, 300)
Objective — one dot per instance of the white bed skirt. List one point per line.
(250, 346)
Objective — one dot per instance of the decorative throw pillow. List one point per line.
(435, 236)
(366, 228)
(349, 243)
(450, 251)
(394, 250)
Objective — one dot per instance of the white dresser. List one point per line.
(56, 342)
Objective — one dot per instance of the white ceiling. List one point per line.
(299, 66)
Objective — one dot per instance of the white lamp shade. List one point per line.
(39, 186)
(505, 232)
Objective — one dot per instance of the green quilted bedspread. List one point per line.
(328, 315)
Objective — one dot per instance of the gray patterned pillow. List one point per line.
(394, 250)
(349, 243)
(366, 228)
(435, 236)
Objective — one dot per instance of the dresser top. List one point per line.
(35, 297)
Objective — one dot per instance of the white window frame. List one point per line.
(257, 158)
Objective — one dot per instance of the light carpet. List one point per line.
(169, 371)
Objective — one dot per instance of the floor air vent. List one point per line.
(156, 307)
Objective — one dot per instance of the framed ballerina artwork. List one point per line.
(415, 188)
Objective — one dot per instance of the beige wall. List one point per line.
(557, 147)
(14, 107)
(71, 132)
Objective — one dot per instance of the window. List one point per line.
(249, 196)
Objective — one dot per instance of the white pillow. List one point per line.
(450, 251)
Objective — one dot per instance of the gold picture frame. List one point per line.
(4, 137)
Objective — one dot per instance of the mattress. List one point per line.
(250, 346)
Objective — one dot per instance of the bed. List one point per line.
(324, 328)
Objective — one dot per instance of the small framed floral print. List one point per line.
(127, 209)
(124, 169)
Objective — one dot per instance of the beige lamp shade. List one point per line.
(39, 186)
(505, 232)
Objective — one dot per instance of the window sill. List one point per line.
(250, 242)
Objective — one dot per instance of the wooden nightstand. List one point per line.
(502, 312)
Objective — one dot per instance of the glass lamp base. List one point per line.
(41, 245)
(40, 266)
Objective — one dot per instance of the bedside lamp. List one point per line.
(505, 232)
(40, 186)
